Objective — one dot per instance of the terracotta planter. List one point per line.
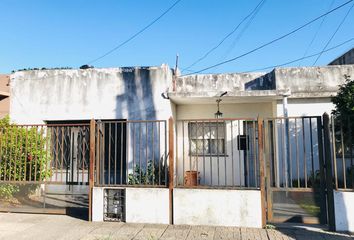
(191, 178)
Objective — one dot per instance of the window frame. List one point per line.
(207, 154)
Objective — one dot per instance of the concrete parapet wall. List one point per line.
(344, 211)
(239, 208)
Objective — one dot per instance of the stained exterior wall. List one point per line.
(115, 93)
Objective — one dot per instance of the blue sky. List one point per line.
(41, 33)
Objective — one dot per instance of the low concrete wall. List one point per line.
(97, 204)
(240, 208)
(147, 205)
(143, 205)
(344, 211)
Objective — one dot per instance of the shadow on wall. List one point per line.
(136, 102)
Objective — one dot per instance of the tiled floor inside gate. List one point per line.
(40, 226)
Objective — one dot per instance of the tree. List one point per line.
(344, 125)
(344, 101)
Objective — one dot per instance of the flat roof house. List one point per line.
(207, 165)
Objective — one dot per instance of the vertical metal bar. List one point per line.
(26, 155)
(121, 152)
(232, 153)
(284, 168)
(196, 147)
(134, 152)
(183, 152)
(42, 141)
(190, 125)
(334, 152)
(127, 146)
(351, 169)
(254, 153)
(48, 153)
(83, 157)
(275, 153)
(224, 145)
(15, 153)
(153, 150)
(140, 149)
(247, 157)
(290, 162)
(77, 153)
(177, 159)
(323, 209)
(312, 159)
(159, 131)
(10, 153)
(239, 152)
(165, 162)
(170, 167)
(203, 126)
(210, 157)
(91, 165)
(146, 152)
(116, 153)
(261, 170)
(343, 157)
(297, 155)
(21, 162)
(329, 181)
(62, 153)
(217, 150)
(304, 149)
(109, 151)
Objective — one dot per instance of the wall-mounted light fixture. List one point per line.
(219, 114)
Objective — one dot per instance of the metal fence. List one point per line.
(217, 153)
(294, 149)
(131, 153)
(51, 153)
(342, 128)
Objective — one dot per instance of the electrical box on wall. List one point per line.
(114, 205)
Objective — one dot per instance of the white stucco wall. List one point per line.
(143, 205)
(112, 93)
(239, 208)
(147, 205)
(344, 211)
(306, 107)
(97, 204)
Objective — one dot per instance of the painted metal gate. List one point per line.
(45, 168)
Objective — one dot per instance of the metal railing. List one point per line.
(52, 153)
(131, 153)
(342, 128)
(294, 149)
(217, 153)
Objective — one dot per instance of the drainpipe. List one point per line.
(287, 138)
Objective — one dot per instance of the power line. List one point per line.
(335, 32)
(136, 34)
(226, 37)
(318, 30)
(249, 22)
(302, 58)
(271, 42)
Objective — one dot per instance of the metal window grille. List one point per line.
(114, 205)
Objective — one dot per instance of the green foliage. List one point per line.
(149, 176)
(344, 101)
(8, 190)
(23, 155)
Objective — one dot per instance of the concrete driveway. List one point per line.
(40, 226)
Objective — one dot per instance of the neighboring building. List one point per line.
(346, 58)
(131, 106)
(4, 95)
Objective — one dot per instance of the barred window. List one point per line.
(207, 138)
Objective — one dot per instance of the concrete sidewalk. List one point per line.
(39, 226)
